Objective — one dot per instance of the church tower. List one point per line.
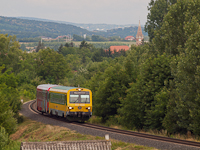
(139, 36)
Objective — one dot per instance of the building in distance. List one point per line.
(130, 38)
(119, 48)
(139, 36)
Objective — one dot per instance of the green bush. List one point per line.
(4, 138)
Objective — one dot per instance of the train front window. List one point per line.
(79, 97)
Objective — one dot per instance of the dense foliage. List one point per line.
(153, 86)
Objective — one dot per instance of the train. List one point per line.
(72, 103)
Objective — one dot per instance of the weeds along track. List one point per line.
(119, 131)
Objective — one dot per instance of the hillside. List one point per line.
(88, 26)
(24, 28)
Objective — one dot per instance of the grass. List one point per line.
(113, 124)
(32, 131)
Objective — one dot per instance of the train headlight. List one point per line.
(79, 90)
(70, 107)
(88, 108)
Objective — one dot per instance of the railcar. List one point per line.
(42, 96)
(73, 103)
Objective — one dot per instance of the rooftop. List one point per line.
(118, 48)
(67, 145)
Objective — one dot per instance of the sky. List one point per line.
(118, 12)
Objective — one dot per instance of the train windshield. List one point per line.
(79, 97)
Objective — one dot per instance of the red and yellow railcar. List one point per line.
(74, 103)
(42, 97)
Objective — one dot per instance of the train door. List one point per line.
(39, 100)
(43, 100)
(48, 98)
(65, 105)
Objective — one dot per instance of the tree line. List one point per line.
(21, 72)
(156, 86)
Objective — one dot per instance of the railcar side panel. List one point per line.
(57, 103)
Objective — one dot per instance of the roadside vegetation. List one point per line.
(152, 87)
(31, 131)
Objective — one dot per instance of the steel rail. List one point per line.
(126, 132)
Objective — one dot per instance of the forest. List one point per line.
(154, 86)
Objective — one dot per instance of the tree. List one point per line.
(9, 52)
(68, 50)
(98, 38)
(77, 38)
(139, 106)
(67, 45)
(97, 56)
(71, 44)
(174, 33)
(73, 61)
(60, 49)
(110, 91)
(40, 46)
(186, 93)
(84, 44)
(158, 9)
(51, 66)
(23, 47)
(4, 138)
(10, 103)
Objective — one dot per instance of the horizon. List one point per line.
(59, 21)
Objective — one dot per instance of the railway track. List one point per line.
(124, 132)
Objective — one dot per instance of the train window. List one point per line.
(57, 98)
(79, 97)
(41, 95)
(85, 98)
(74, 98)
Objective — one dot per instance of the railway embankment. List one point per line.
(101, 133)
(38, 128)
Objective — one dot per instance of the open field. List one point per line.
(38, 132)
(55, 44)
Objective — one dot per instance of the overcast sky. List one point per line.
(79, 11)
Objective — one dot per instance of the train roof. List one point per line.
(46, 86)
(63, 88)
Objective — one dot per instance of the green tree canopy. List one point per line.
(185, 92)
(51, 66)
(140, 100)
(174, 32)
(158, 9)
(40, 46)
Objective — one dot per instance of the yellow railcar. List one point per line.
(74, 103)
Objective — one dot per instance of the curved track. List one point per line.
(182, 144)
